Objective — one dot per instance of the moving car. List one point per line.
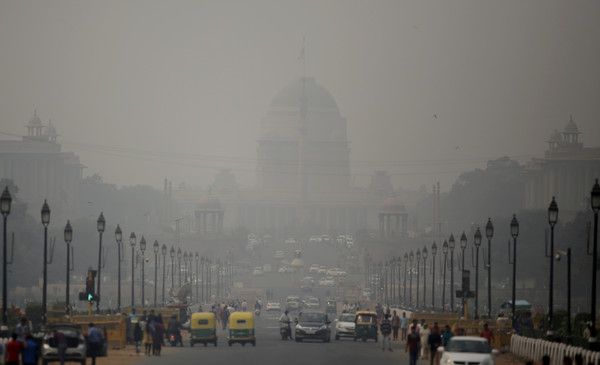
(292, 302)
(257, 271)
(327, 281)
(76, 346)
(273, 307)
(313, 324)
(467, 350)
(344, 325)
(314, 268)
(312, 303)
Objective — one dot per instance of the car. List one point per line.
(322, 270)
(257, 271)
(335, 271)
(292, 302)
(278, 254)
(344, 325)
(327, 281)
(467, 350)
(313, 239)
(291, 241)
(273, 307)
(312, 324)
(267, 268)
(76, 346)
(314, 268)
(307, 284)
(312, 303)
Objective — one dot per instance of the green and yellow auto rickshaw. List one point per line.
(241, 328)
(203, 328)
(331, 307)
(365, 326)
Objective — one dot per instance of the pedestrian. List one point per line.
(138, 336)
(20, 330)
(60, 340)
(148, 336)
(446, 335)
(403, 325)
(94, 337)
(30, 354)
(425, 332)
(487, 333)
(13, 350)
(157, 336)
(434, 341)
(416, 325)
(395, 326)
(386, 330)
(2, 353)
(412, 345)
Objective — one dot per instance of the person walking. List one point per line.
(434, 341)
(30, 354)
(487, 333)
(138, 336)
(60, 340)
(13, 350)
(94, 337)
(446, 335)
(395, 326)
(425, 332)
(412, 345)
(386, 329)
(403, 325)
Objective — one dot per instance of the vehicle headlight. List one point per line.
(448, 361)
(323, 327)
(298, 327)
(487, 361)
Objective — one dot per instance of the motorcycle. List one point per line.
(174, 338)
(285, 330)
(257, 312)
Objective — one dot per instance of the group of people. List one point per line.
(149, 329)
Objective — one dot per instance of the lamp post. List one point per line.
(514, 232)
(433, 252)
(163, 250)
(45, 222)
(393, 279)
(172, 254)
(445, 252)
(489, 232)
(386, 283)
(418, 258)
(405, 275)
(451, 244)
(185, 258)
(477, 242)
(119, 239)
(202, 279)
(68, 239)
(595, 202)
(100, 225)
(424, 255)
(463, 246)
(411, 258)
(552, 219)
(156, 248)
(132, 241)
(179, 254)
(568, 254)
(5, 201)
(143, 249)
(197, 278)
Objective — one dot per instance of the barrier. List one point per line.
(535, 349)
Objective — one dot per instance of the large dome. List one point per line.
(316, 95)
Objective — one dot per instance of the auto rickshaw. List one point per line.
(241, 328)
(331, 307)
(365, 325)
(203, 328)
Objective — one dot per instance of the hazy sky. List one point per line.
(143, 90)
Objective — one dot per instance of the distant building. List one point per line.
(566, 172)
(40, 169)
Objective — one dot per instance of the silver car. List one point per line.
(467, 350)
(76, 346)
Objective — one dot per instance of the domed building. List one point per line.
(209, 215)
(391, 216)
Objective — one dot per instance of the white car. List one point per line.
(467, 350)
(327, 281)
(278, 254)
(313, 239)
(267, 268)
(314, 268)
(322, 270)
(336, 272)
(258, 271)
(344, 325)
(273, 307)
(312, 303)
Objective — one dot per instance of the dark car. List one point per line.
(312, 324)
(76, 346)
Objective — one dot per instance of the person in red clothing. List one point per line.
(413, 340)
(487, 333)
(13, 349)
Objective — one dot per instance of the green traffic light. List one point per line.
(90, 297)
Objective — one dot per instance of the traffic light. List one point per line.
(90, 289)
(298, 254)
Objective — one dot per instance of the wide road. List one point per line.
(270, 349)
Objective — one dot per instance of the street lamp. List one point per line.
(197, 279)
(424, 255)
(156, 248)
(463, 246)
(202, 278)
(45, 222)
(119, 239)
(595, 202)
(445, 252)
(405, 275)
(568, 254)
(451, 244)
(163, 250)
(433, 252)
(132, 241)
(411, 257)
(172, 254)
(5, 201)
(100, 225)
(179, 254)
(489, 232)
(477, 242)
(552, 219)
(514, 232)
(143, 249)
(68, 239)
(185, 256)
(418, 257)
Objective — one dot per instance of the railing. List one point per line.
(535, 349)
